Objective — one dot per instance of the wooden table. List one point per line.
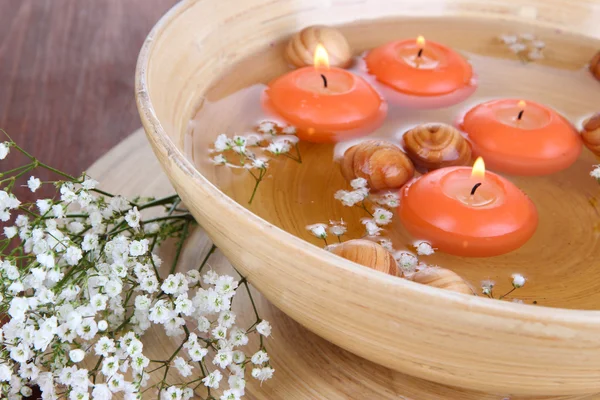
(67, 76)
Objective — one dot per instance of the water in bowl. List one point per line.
(561, 262)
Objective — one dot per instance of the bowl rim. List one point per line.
(476, 304)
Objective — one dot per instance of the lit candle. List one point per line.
(420, 68)
(521, 138)
(326, 104)
(467, 212)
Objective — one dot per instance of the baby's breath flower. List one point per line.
(358, 183)
(138, 247)
(267, 127)
(318, 230)
(222, 143)
(264, 328)
(263, 374)
(259, 163)
(219, 159)
(424, 249)
(279, 147)
(4, 150)
(337, 228)
(33, 183)
(518, 281)
(517, 47)
(508, 39)
(371, 227)
(182, 367)
(595, 173)
(486, 287)
(212, 380)
(386, 244)
(407, 261)
(289, 130)
(133, 218)
(382, 216)
(259, 358)
(10, 231)
(76, 355)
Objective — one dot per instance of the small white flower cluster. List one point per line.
(595, 173)
(526, 45)
(83, 282)
(518, 281)
(336, 228)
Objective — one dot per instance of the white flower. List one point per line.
(262, 374)
(237, 383)
(116, 383)
(90, 242)
(222, 143)
(486, 287)
(76, 355)
(528, 37)
(184, 368)
(43, 205)
(337, 228)
(260, 163)
(102, 325)
(4, 150)
(391, 200)
(535, 55)
(406, 261)
(225, 286)
(110, 366)
(219, 159)
(318, 230)
(113, 288)
(219, 332)
(508, 39)
(351, 198)
(105, 346)
(33, 183)
(142, 302)
(10, 231)
(226, 318)
(58, 211)
(267, 127)
(382, 216)
(138, 247)
(223, 358)
(371, 226)
(176, 283)
(101, 392)
(87, 329)
(160, 312)
(197, 353)
(238, 337)
(386, 244)
(18, 307)
(26, 391)
(517, 47)
(358, 183)
(424, 249)
(139, 362)
(289, 130)
(89, 183)
(230, 394)
(518, 281)
(210, 277)
(73, 255)
(67, 193)
(279, 147)
(20, 353)
(264, 328)
(193, 276)
(212, 380)
(5, 370)
(119, 203)
(260, 357)
(133, 218)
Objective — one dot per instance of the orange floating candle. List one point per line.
(326, 104)
(419, 68)
(466, 212)
(521, 138)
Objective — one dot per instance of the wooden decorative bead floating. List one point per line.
(442, 278)
(302, 45)
(382, 164)
(591, 133)
(595, 66)
(369, 254)
(436, 145)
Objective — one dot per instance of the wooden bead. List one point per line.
(590, 134)
(595, 66)
(381, 163)
(442, 278)
(369, 254)
(436, 145)
(301, 47)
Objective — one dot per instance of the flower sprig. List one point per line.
(81, 283)
(270, 139)
(487, 286)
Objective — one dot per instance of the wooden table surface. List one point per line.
(67, 76)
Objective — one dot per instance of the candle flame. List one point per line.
(522, 104)
(478, 168)
(321, 58)
(421, 41)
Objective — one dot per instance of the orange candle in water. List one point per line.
(521, 138)
(419, 68)
(326, 104)
(467, 212)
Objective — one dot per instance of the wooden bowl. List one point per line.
(446, 337)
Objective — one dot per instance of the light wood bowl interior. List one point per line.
(450, 338)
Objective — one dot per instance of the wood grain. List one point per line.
(67, 76)
(446, 337)
(306, 366)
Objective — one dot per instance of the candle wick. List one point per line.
(420, 53)
(475, 188)
(520, 115)
(324, 80)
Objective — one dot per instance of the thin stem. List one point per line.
(184, 236)
(203, 263)
(258, 180)
(507, 293)
(364, 207)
